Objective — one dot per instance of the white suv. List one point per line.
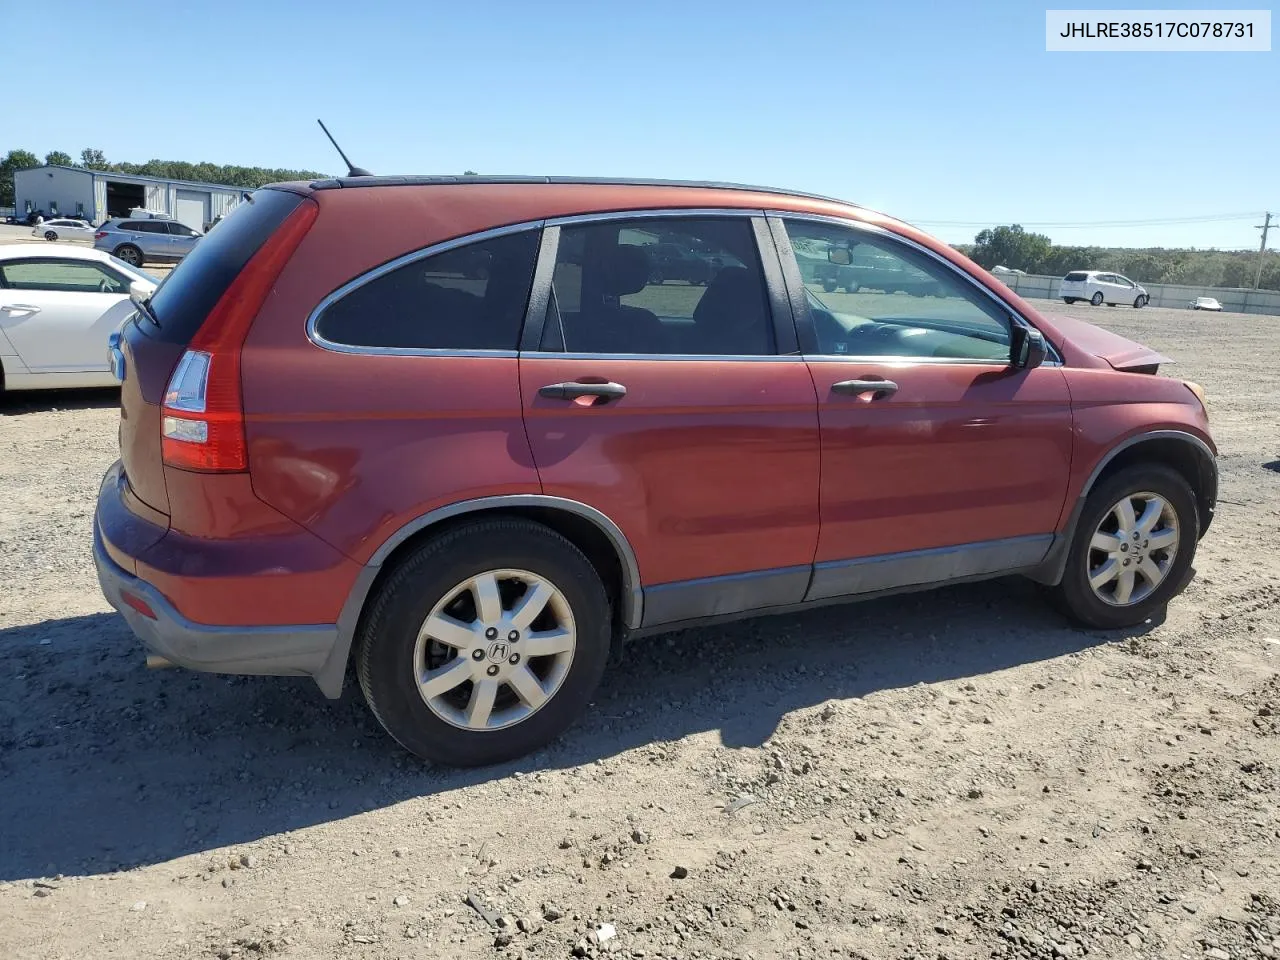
(1099, 288)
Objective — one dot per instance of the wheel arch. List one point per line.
(1184, 452)
(591, 531)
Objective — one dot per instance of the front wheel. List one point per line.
(485, 643)
(1096, 299)
(829, 286)
(1133, 545)
(1140, 302)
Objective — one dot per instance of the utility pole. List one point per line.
(1262, 250)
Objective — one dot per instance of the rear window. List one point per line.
(187, 295)
(469, 298)
(1076, 275)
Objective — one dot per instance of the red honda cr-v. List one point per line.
(468, 433)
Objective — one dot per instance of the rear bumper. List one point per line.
(274, 651)
(282, 650)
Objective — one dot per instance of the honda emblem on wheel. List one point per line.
(497, 652)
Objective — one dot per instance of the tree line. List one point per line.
(1015, 248)
(92, 159)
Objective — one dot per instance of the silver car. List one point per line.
(146, 241)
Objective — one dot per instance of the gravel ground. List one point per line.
(956, 774)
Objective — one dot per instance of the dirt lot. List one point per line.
(957, 774)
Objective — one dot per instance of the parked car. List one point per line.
(1205, 303)
(1098, 288)
(138, 242)
(57, 312)
(339, 445)
(63, 229)
(673, 261)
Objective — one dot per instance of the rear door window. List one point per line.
(472, 297)
(665, 285)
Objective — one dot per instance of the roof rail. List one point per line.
(334, 183)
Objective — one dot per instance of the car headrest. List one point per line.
(625, 270)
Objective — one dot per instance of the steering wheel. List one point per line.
(104, 285)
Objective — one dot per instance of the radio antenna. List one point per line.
(352, 169)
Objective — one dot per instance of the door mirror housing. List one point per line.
(841, 256)
(138, 292)
(1028, 348)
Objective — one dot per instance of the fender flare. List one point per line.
(331, 674)
(1054, 565)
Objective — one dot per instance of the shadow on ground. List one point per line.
(44, 401)
(106, 765)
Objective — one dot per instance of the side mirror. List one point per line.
(841, 256)
(1028, 349)
(138, 292)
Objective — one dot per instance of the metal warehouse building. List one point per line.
(100, 195)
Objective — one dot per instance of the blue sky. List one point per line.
(935, 112)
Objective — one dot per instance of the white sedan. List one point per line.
(1205, 303)
(58, 307)
(63, 229)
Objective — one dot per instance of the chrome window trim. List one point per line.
(704, 213)
(904, 361)
(1054, 359)
(755, 358)
(382, 270)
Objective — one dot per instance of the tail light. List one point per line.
(100, 234)
(203, 413)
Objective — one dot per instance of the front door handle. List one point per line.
(20, 308)
(571, 390)
(880, 388)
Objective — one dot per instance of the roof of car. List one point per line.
(334, 183)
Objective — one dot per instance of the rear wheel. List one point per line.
(485, 643)
(129, 254)
(829, 286)
(1069, 299)
(1133, 546)
(1096, 299)
(50, 235)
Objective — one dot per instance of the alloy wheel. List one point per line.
(1132, 550)
(494, 649)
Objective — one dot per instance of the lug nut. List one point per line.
(1126, 563)
(492, 671)
(513, 636)
(477, 654)
(514, 659)
(1124, 548)
(491, 633)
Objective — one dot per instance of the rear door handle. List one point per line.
(20, 308)
(571, 390)
(880, 388)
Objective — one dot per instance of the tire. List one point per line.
(389, 654)
(1069, 299)
(852, 288)
(829, 286)
(1139, 302)
(129, 254)
(50, 235)
(1096, 299)
(1077, 597)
